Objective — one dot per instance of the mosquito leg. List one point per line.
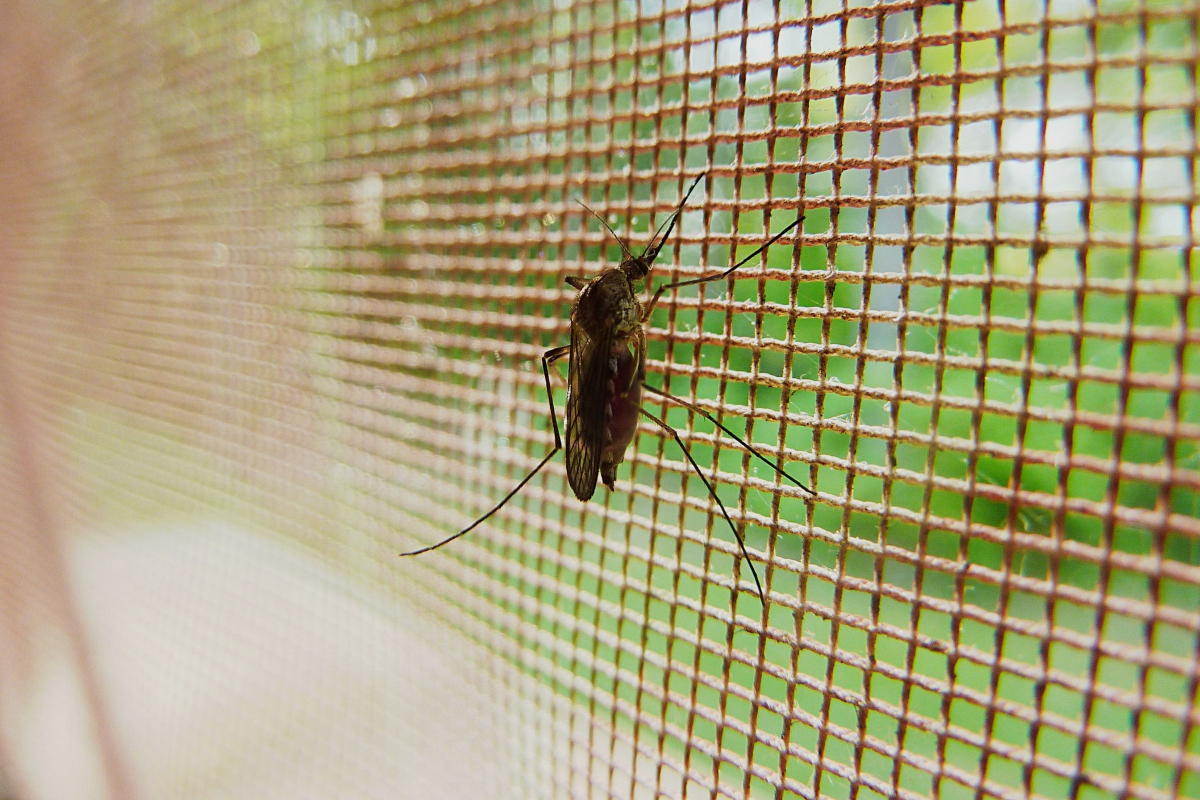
(742, 544)
(693, 281)
(735, 437)
(560, 377)
(547, 357)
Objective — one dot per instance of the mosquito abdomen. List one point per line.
(624, 398)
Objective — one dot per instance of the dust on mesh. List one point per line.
(978, 353)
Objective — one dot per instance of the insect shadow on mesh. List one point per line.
(606, 376)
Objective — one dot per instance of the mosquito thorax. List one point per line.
(608, 306)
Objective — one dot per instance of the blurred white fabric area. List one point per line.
(237, 666)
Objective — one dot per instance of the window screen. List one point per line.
(277, 279)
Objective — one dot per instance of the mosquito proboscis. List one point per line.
(606, 376)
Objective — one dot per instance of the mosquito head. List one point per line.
(636, 268)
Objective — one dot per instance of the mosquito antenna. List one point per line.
(624, 249)
(669, 222)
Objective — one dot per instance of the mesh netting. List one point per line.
(275, 280)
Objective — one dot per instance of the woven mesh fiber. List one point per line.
(275, 280)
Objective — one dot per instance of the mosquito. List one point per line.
(606, 376)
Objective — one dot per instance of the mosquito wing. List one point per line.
(587, 397)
